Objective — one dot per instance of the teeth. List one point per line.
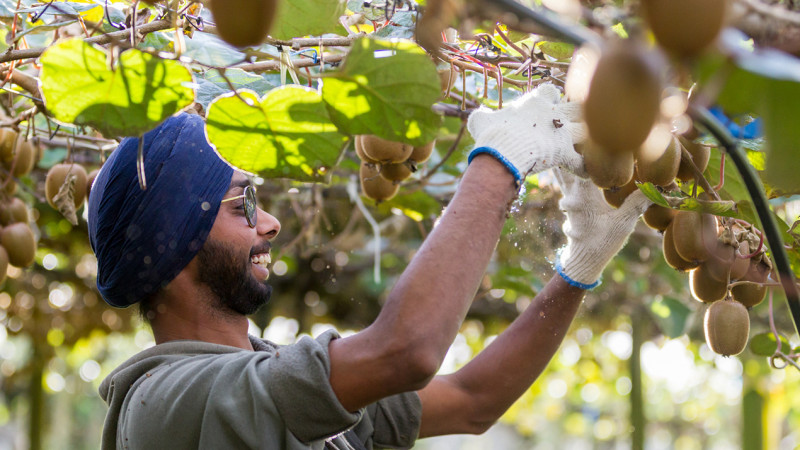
(263, 259)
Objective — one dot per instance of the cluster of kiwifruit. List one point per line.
(18, 156)
(727, 267)
(384, 164)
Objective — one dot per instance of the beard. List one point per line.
(230, 280)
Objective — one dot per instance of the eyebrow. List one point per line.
(238, 184)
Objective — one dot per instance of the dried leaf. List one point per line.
(65, 199)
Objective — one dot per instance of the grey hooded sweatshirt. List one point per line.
(198, 395)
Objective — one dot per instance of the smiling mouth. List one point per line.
(262, 260)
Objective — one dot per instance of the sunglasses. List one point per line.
(250, 207)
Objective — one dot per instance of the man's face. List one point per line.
(234, 261)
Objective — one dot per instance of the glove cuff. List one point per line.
(572, 281)
(503, 160)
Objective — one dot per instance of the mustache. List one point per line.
(263, 248)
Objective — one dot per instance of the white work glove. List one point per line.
(530, 134)
(595, 231)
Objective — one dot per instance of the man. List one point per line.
(195, 250)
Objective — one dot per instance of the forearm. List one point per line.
(424, 310)
(474, 397)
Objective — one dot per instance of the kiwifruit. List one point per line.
(704, 287)
(757, 272)
(695, 234)
(749, 294)
(685, 27)
(3, 263)
(741, 265)
(396, 172)
(18, 211)
(616, 196)
(658, 217)
(700, 155)
(671, 256)
(624, 96)
(727, 327)
(90, 181)
(7, 139)
(720, 260)
(24, 157)
(421, 153)
(56, 176)
(607, 170)
(373, 185)
(380, 149)
(358, 142)
(243, 23)
(660, 169)
(19, 242)
(10, 187)
(5, 214)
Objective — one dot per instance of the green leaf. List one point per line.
(8, 8)
(671, 316)
(719, 208)
(402, 26)
(557, 50)
(764, 344)
(385, 88)
(132, 97)
(211, 84)
(209, 49)
(307, 18)
(287, 134)
(781, 116)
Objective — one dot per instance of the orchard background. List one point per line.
(634, 371)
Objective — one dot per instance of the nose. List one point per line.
(267, 225)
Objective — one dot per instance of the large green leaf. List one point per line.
(133, 96)
(385, 88)
(671, 315)
(212, 84)
(719, 208)
(307, 17)
(287, 134)
(781, 116)
(764, 344)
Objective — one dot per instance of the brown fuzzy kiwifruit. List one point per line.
(685, 27)
(671, 256)
(19, 242)
(727, 327)
(17, 212)
(373, 185)
(3, 263)
(616, 196)
(359, 145)
(695, 234)
(396, 172)
(749, 294)
(90, 181)
(421, 153)
(605, 169)
(5, 214)
(24, 157)
(704, 287)
(55, 178)
(741, 264)
(658, 217)
(758, 272)
(10, 187)
(7, 139)
(700, 155)
(721, 257)
(624, 96)
(243, 23)
(379, 149)
(659, 169)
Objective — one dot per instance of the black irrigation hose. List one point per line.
(578, 35)
(756, 191)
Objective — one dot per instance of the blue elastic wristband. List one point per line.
(490, 151)
(571, 282)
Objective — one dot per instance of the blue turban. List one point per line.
(144, 238)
